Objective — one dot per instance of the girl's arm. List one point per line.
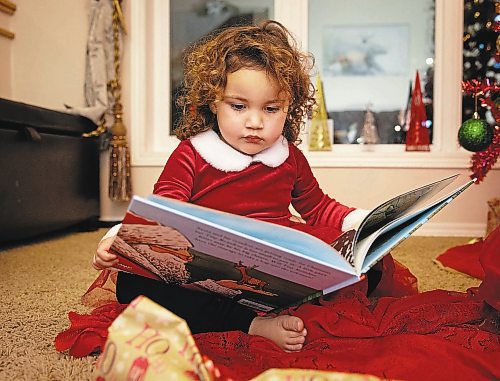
(177, 178)
(176, 181)
(315, 207)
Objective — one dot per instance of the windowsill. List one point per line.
(386, 157)
(347, 156)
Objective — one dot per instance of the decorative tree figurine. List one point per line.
(319, 136)
(417, 137)
(369, 132)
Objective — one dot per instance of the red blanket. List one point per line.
(431, 336)
(464, 259)
(396, 334)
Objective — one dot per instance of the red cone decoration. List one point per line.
(417, 137)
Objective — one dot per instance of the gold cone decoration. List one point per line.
(319, 136)
(120, 182)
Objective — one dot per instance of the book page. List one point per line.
(400, 205)
(344, 244)
(381, 242)
(373, 247)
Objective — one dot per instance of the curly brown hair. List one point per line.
(269, 47)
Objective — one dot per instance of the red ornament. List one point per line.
(482, 162)
(417, 137)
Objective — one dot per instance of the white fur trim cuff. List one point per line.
(113, 232)
(354, 218)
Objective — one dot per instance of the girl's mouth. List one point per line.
(252, 139)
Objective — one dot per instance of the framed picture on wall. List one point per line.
(365, 50)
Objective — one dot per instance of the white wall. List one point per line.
(47, 69)
(6, 56)
(47, 55)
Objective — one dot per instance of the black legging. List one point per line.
(202, 311)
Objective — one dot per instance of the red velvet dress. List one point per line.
(257, 190)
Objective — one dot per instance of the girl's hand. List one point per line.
(103, 259)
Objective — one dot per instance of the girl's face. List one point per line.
(251, 114)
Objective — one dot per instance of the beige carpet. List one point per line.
(41, 281)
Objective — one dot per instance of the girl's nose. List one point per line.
(254, 120)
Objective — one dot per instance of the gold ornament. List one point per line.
(319, 136)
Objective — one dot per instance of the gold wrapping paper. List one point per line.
(147, 342)
(311, 375)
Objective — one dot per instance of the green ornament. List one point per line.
(475, 135)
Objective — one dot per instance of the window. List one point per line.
(191, 19)
(149, 77)
(368, 61)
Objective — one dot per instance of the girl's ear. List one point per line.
(213, 108)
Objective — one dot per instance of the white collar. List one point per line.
(225, 158)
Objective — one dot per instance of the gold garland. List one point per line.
(120, 182)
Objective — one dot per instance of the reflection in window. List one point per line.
(192, 19)
(367, 53)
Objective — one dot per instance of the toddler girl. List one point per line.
(247, 92)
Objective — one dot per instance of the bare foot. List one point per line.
(288, 332)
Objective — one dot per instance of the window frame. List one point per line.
(147, 71)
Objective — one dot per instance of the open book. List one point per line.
(259, 264)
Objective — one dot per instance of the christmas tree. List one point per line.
(481, 61)
(480, 58)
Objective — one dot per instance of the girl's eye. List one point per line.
(272, 109)
(237, 106)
